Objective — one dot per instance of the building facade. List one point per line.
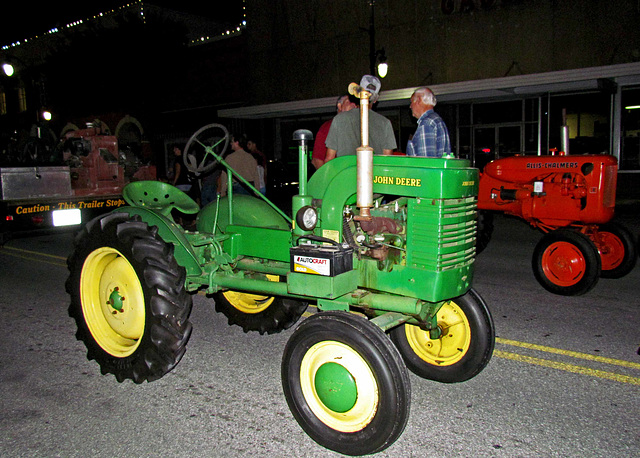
(508, 73)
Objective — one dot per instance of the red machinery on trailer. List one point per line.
(38, 195)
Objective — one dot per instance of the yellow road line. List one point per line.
(568, 367)
(37, 253)
(38, 259)
(572, 354)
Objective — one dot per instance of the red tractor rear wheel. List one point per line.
(617, 250)
(566, 262)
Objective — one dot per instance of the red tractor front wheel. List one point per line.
(566, 262)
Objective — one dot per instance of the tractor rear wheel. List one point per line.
(617, 250)
(256, 312)
(345, 383)
(463, 349)
(128, 298)
(566, 262)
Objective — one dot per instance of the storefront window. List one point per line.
(587, 116)
(497, 112)
(491, 130)
(485, 131)
(630, 130)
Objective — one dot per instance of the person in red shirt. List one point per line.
(344, 103)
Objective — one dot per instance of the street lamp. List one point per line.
(382, 68)
(8, 69)
(29, 79)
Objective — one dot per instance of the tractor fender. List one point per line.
(170, 233)
(247, 211)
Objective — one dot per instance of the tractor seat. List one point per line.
(159, 196)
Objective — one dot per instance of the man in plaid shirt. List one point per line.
(432, 136)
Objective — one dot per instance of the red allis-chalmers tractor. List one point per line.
(571, 198)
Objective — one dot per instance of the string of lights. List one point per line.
(133, 5)
(226, 33)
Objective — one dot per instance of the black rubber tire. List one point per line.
(485, 230)
(462, 351)
(155, 286)
(265, 314)
(572, 274)
(381, 379)
(619, 239)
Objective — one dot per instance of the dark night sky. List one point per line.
(28, 18)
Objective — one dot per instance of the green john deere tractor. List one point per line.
(383, 245)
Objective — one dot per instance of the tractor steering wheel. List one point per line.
(197, 155)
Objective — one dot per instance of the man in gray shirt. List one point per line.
(344, 135)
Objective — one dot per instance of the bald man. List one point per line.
(432, 136)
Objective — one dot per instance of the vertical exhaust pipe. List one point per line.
(564, 133)
(364, 157)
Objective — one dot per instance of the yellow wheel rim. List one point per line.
(112, 302)
(452, 345)
(250, 303)
(366, 405)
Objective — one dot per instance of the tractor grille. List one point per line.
(441, 233)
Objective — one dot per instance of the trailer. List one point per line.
(38, 198)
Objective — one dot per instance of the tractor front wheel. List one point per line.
(257, 312)
(345, 383)
(128, 298)
(566, 262)
(465, 345)
(617, 250)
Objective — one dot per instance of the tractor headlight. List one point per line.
(307, 218)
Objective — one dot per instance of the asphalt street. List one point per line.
(564, 380)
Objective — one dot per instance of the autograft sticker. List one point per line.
(311, 265)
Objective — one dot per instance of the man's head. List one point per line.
(373, 85)
(421, 101)
(238, 142)
(346, 103)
